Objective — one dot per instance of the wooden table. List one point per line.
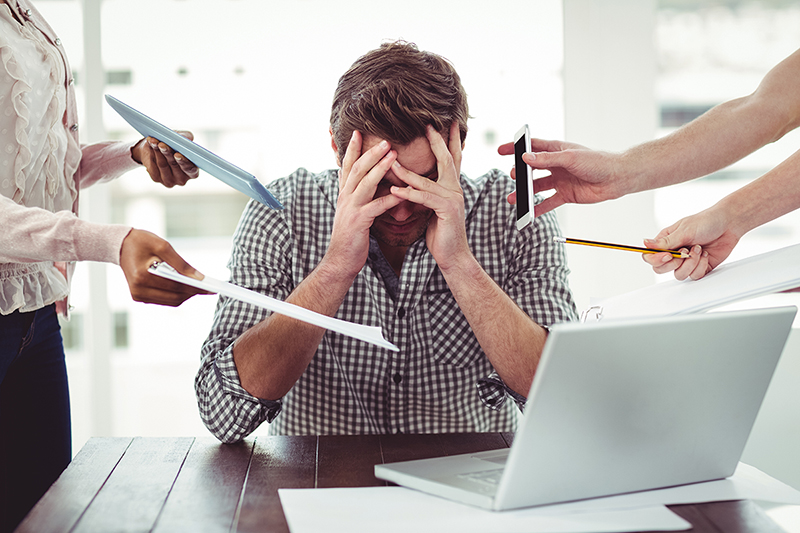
(197, 484)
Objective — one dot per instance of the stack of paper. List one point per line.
(397, 509)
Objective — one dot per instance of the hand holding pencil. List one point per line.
(690, 248)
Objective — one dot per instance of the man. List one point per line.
(716, 139)
(395, 238)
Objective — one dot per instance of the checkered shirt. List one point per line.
(440, 381)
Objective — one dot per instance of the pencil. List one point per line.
(673, 253)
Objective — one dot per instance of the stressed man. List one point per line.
(396, 237)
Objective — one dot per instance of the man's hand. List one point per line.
(446, 235)
(709, 237)
(140, 250)
(356, 206)
(163, 164)
(578, 175)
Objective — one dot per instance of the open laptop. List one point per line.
(622, 406)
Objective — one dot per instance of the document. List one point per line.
(397, 509)
(762, 274)
(369, 334)
(400, 510)
(221, 169)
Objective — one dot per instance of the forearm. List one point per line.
(512, 341)
(772, 195)
(104, 161)
(31, 234)
(722, 136)
(272, 355)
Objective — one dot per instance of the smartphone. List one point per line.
(522, 144)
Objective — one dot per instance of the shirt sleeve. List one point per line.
(31, 234)
(104, 161)
(259, 261)
(227, 410)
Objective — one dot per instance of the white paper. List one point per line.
(730, 282)
(369, 334)
(390, 509)
(400, 510)
(746, 483)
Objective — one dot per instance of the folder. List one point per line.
(754, 276)
(221, 169)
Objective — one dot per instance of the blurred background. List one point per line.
(253, 80)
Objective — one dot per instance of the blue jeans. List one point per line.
(35, 436)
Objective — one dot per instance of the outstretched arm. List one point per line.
(723, 135)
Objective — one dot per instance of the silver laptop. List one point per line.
(622, 406)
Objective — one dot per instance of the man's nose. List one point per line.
(402, 211)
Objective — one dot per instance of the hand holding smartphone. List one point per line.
(525, 213)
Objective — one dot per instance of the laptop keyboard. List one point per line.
(486, 477)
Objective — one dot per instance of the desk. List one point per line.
(198, 484)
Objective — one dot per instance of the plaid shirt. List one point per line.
(440, 381)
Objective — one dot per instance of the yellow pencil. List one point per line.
(674, 253)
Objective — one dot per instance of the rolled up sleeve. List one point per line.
(229, 412)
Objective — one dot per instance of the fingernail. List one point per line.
(384, 144)
(178, 157)
(696, 249)
(666, 259)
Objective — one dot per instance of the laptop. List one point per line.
(622, 406)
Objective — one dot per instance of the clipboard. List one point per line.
(370, 334)
(759, 275)
(204, 159)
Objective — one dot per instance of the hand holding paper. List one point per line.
(369, 334)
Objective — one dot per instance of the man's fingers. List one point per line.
(447, 161)
(351, 155)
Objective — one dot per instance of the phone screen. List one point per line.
(522, 141)
(521, 170)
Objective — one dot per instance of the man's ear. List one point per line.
(335, 148)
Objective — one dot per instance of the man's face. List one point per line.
(403, 224)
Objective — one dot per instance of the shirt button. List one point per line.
(72, 81)
(397, 378)
(74, 127)
(58, 41)
(401, 313)
(28, 12)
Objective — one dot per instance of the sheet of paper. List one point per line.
(399, 510)
(392, 509)
(204, 159)
(746, 483)
(369, 334)
(730, 282)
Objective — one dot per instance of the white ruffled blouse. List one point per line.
(42, 167)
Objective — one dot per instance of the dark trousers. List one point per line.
(35, 436)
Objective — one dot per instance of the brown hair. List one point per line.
(394, 92)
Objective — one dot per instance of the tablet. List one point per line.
(221, 169)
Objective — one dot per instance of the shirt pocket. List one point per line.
(452, 339)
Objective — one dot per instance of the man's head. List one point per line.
(393, 93)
